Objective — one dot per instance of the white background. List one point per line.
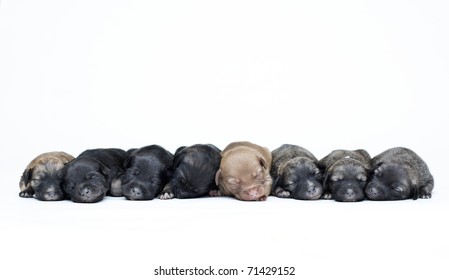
(320, 74)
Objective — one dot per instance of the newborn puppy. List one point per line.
(90, 176)
(399, 173)
(147, 171)
(42, 177)
(345, 174)
(244, 172)
(194, 170)
(296, 173)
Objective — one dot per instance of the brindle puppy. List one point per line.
(42, 177)
(345, 175)
(296, 173)
(399, 173)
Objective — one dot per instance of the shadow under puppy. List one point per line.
(147, 171)
(345, 174)
(244, 172)
(296, 173)
(399, 173)
(194, 170)
(42, 177)
(94, 173)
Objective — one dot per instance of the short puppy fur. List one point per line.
(147, 171)
(399, 173)
(244, 172)
(93, 174)
(296, 173)
(42, 177)
(345, 174)
(194, 170)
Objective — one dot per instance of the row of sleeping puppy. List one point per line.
(242, 170)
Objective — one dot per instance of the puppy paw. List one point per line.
(327, 196)
(262, 198)
(215, 193)
(425, 196)
(283, 194)
(26, 194)
(166, 195)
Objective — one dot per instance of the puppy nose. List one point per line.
(350, 192)
(84, 192)
(311, 189)
(253, 193)
(136, 191)
(51, 195)
(373, 191)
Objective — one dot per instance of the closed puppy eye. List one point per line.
(132, 172)
(155, 180)
(399, 188)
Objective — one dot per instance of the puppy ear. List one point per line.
(104, 169)
(364, 154)
(217, 177)
(25, 179)
(325, 180)
(276, 181)
(320, 166)
(179, 150)
(128, 162)
(263, 163)
(376, 167)
(415, 192)
(169, 173)
(177, 157)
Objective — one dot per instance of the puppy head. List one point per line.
(85, 180)
(392, 182)
(302, 178)
(194, 170)
(346, 180)
(244, 176)
(193, 180)
(144, 178)
(44, 181)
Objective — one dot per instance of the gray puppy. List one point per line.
(42, 177)
(296, 173)
(346, 174)
(399, 173)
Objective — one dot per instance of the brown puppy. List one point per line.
(244, 172)
(42, 177)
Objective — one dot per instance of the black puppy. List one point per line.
(194, 170)
(399, 173)
(346, 173)
(296, 173)
(90, 176)
(147, 170)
